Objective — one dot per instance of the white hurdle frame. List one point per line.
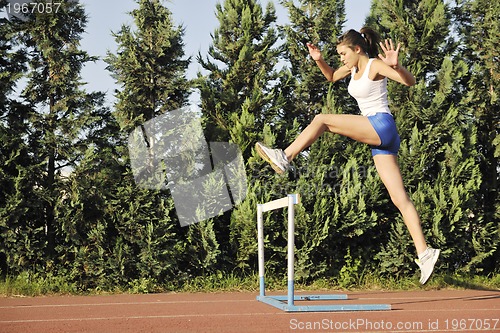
(287, 303)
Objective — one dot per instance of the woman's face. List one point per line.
(348, 56)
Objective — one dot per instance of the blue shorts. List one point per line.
(384, 125)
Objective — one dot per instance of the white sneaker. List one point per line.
(426, 264)
(275, 157)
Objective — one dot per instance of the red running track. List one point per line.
(416, 311)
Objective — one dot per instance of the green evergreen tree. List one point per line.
(237, 101)
(237, 96)
(478, 29)
(336, 177)
(437, 156)
(15, 198)
(320, 23)
(56, 114)
(149, 67)
(150, 70)
(87, 209)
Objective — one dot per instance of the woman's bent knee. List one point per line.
(319, 118)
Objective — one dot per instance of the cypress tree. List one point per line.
(150, 69)
(237, 101)
(437, 156)
(15, 196)
(87, 207)
(478, 30)
(238, 95)
(57, 114)
(336, 176)
(318, 22)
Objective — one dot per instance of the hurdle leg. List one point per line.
(260, 237)
(291, 250)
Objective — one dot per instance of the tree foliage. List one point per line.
(69, 204)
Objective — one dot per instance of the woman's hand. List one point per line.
(391, 55)
(398, 73)
(314, 51)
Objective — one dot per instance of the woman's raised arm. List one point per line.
(330, 73)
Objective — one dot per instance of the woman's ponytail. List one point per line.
(372, 39)
(366, 38)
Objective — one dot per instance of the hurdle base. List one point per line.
(280, 302)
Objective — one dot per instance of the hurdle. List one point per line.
(287, 302)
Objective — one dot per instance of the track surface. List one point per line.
(418, 311)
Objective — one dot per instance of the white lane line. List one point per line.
(28, 306)
(353, 298)
(407, 301)
(145, 317)
(180, 316)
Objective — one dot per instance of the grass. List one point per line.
(27, 284)
(36, 285)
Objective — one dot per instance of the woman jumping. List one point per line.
(375, 126)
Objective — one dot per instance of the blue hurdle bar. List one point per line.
(287, 303)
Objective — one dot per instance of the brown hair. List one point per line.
(367, 39)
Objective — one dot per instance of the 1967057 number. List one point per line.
(33, 7)
(472, 324)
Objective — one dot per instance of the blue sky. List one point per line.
(197, 17)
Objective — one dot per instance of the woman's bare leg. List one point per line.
(355, 127)
(388, 169)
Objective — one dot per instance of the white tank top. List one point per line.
(370, 95)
